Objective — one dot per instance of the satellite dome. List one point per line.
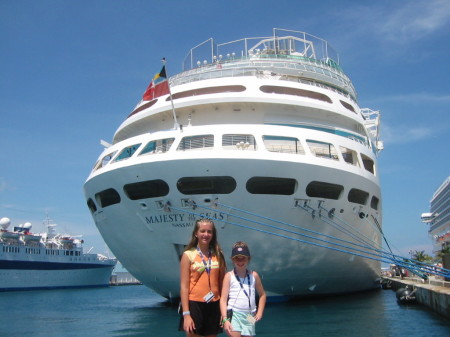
(5, 222)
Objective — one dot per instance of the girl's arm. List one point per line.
(224, 303)
(185, 265)
(262, 296)
(224, 295)
(222, 271)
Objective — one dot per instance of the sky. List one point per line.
(71, 72)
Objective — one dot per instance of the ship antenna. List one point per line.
(176, 126)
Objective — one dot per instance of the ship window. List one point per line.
(271, 89)
(146, 189)
(209, 90)
(127, 152)
(283, 144)
(348, 106)
(107, 197)
(374, 202)
(238, 142)
(91, 205)
(157, 146)
(271, 185)
(349, 156)
(320, 189)
(357, 196)
(322, 149)
(196, 142)
(105, 160)
(368, 163)
(142, 107)
(206, 185)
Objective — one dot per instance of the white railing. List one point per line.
(293, 69)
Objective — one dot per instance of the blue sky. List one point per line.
(71, 71)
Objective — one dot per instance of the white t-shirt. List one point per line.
(238, 297)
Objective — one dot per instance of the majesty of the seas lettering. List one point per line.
(182, 220)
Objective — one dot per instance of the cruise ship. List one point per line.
(264, 136)
(31, 261)
(439, 217)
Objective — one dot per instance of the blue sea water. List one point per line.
(137, 311)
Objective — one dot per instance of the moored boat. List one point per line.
(31, 261)
(264, 136)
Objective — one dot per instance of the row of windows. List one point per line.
(62, 252)
(10, 249)
(268, 89)
(226, 185)
(31, 250)
(244, 142)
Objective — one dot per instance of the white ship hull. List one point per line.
(18, 279)
(49, 261)
(299, 232)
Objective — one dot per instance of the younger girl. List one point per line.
(238, 295)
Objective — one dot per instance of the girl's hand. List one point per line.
(258, 317)
(188, 324)
(228, 328)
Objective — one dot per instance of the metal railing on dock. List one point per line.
(123, 278)
(432, 280)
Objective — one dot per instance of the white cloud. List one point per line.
(404, 22)
(415, 20)
(403, 135)
(415, 98)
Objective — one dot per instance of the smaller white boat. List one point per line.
(48, 260)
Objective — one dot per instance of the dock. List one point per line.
(123, 279)
(433, 293)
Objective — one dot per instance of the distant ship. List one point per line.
(264, 136)
(49, 260)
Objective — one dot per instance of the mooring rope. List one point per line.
(377, 254)
(397, 259)
(280, 235)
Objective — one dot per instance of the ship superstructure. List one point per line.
(264, 136)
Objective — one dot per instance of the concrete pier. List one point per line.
(433, 293)
(122, 279)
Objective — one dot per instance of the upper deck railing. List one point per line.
(295, 56)
(283, 43)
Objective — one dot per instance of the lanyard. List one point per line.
(242, 287)
(207, 265)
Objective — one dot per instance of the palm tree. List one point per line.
(420, 256)
(444, 251)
